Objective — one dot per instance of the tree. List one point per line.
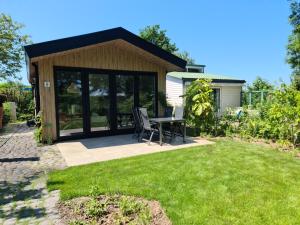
(11, 47)
(185, 56)
(199, 109)
(158, 37)
(293, 47)
(260, 84)
(257, 92)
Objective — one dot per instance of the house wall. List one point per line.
(174, 88)
(107, 56)
(230, 94)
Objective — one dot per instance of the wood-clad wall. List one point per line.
(109, 56)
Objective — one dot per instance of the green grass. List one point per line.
(226, 183)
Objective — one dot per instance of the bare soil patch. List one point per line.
(112, 210)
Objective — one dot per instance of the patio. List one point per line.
(84, 151)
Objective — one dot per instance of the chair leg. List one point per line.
(141, 135)
(150, 139)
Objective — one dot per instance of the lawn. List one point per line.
(226, 183)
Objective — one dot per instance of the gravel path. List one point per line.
(24, 198)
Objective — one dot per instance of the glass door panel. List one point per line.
(99, 102)
(147, 93)
(125, 101)
(69, 98)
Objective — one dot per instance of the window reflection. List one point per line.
(69, 98)
(99, 102)
(125, 100)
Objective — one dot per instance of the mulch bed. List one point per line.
(75, 211)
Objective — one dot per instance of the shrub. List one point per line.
(129, 206)
(41, 128)
(199, 110)
(6, 113)
(95, 208)
(16, 92)
(278, 119)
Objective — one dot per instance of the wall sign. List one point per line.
(46, 84)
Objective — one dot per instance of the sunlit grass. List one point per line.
(226, 183)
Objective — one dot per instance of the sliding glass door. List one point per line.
(147, 98)
(125, 101)
(69, 102)
(99, 101)
(91, 102)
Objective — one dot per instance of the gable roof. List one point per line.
(69, 43)
(214, 77)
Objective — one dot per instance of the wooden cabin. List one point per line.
(87, 85)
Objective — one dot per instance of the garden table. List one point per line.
(161, 121)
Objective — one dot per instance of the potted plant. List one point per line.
(2, 100)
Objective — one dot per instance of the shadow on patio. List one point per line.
(99, 149)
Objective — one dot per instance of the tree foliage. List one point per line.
(260, 84)
(199, 110)
(16, 92)
(11, 47)
(185, 56)
(157, 36)
(258, 91)
(293, 47)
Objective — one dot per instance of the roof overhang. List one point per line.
(227, 81)
(36, 51)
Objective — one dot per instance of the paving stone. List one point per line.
(24, 198)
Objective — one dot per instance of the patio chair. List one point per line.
(137, 123)
(176, 127)
(146, 125)
(178, 112)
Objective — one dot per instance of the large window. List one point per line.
(125, 100)
(147, 94)
(216, 99)
(94, 102)
(99, 99)
(69, 96)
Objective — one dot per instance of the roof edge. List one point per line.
(79, 41)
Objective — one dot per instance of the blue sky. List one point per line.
(241, 38)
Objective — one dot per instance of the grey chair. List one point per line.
(146, 125)
(137, 123)
(176, 127)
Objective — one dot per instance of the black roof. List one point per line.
(59, 45)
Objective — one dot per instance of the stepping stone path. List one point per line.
(24, 198)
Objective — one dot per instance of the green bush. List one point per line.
(95, 208)
(16, 92)
(6, 113)
(199, 109)
(278, 119)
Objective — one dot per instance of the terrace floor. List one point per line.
(84, 151)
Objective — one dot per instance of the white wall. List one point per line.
(230, 95)
(174, 89)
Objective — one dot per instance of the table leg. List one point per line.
(184, 131)
(160, 133)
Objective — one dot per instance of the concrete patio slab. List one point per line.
(84, 151)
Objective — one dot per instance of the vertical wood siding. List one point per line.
(107, 56)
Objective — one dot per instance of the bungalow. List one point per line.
(227, 90)
(86, 85)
